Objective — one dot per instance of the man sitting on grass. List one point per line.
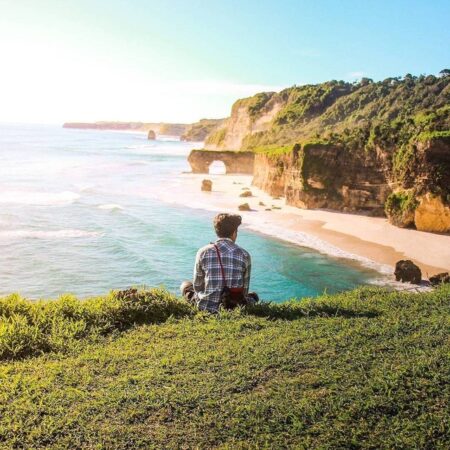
(222, 270)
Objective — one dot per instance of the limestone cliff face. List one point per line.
(324, 176)
(432, 214)
(242, 123)
(197, 132)
(329, 176)
(421, 196)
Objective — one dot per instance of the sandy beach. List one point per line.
(369, 240)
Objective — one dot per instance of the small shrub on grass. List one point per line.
(29, 328)
(400, 207)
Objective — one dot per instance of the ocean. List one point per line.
(81, 213)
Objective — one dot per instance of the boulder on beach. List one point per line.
(244, 207)
(151, 136)
(407, 272)
(207, 185)
(262, 204)
(440, 278)
(246, 194)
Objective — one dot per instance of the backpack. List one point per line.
(230, 297)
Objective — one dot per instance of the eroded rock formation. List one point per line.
(324, 176)
(432, 214)
(242, 122)
(206, 185)
(244, 207)
(440, 278)
(407, 272)
(235, 162)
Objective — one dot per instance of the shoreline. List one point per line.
(373, 242)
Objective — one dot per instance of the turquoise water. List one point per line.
(79, 212)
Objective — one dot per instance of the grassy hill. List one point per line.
(363, 369)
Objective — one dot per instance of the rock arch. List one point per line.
(217, 167)
(235, 161)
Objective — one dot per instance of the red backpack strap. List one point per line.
(221, 265)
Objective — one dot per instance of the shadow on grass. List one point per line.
(296, 310)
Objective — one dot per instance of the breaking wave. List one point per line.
(40, 234)
(39, 198)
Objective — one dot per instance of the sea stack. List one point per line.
(151, 136)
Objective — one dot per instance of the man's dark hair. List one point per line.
(226, 224)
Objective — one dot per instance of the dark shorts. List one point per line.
(187, 291)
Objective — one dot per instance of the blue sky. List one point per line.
(180, 60)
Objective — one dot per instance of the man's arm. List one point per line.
(247, 274)
(199, 274)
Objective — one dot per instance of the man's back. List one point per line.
(208, 279)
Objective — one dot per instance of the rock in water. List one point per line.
(440, 278)
(244, 207)
(246, 194)
(407, 271)
(151, 136)
(207, 185)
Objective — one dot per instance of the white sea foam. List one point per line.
(111, 207)
(39, 198)
(307, 240)
(40, 234)
(140, 162)
(168, 138)
(140, 147)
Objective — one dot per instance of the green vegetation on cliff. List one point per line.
(400, 207)
(388, 113)
(363, 369)
(217, 137)
(198, 131)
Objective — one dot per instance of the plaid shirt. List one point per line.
(208, 282)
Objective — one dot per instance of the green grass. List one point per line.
(31, 328)
(273, 151)
(363, 369)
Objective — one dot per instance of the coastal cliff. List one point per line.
(372, 147)
(248, 116)
(198, 131)
(171, 129)
(323, 176)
